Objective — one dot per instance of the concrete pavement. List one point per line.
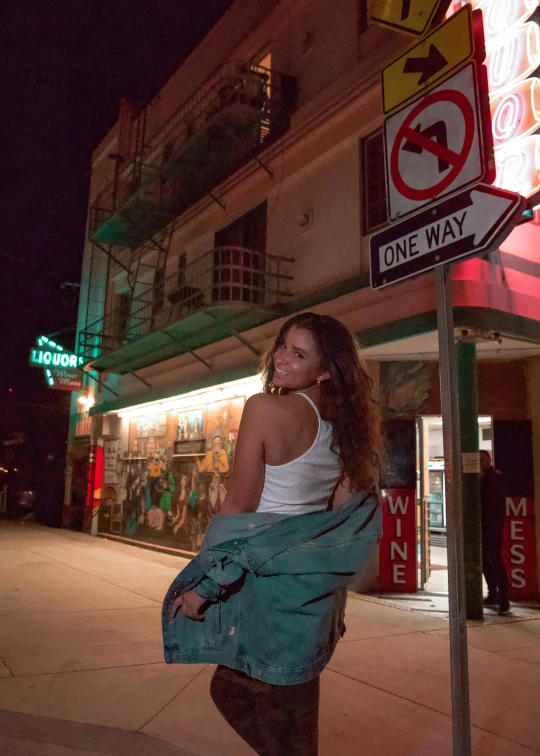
(82, 672)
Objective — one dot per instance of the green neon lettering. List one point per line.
(72, 360)
(47, 358)
(64, 360)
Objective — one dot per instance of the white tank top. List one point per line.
(306, 483)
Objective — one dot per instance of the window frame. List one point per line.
(369, 226)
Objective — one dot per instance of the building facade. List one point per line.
(246, 192)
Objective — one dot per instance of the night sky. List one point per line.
(65, 66)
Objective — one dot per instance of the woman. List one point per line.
(304, 446)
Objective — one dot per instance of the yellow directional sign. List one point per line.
(412, 16)
(443, 52)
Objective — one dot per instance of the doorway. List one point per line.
(431, 497)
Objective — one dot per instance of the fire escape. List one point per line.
(219, 129)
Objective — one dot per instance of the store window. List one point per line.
(373, 181)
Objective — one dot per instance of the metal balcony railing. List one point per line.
(230, 277)
(216, 131)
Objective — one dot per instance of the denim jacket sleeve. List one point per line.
(214, 584)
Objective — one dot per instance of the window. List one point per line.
(122, 316)
(239, 259)
(158, 294)
(373, 182)
(362, 16)
(181, 273)
(248, 231)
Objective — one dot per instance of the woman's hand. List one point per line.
(190, 603)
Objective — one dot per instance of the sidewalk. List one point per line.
(81, 669)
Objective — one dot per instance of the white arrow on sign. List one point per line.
(472, 223)
(464, 225)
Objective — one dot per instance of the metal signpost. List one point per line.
(439, 166)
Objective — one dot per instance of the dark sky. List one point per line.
(65, 65)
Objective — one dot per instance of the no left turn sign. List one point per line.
(434, 146)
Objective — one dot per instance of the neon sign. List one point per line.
(60, 366)
(512, 55)
(516, 113)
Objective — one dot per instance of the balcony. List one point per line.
(226, 288)
(217, 131)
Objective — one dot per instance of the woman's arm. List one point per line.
(247, 478)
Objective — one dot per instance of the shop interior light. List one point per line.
(242, 388)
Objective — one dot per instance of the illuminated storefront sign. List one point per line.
(512, 57)
(43, 357)
(61, 367)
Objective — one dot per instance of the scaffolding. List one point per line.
(224, 281)
(226, 123)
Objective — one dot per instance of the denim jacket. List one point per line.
(275, 587)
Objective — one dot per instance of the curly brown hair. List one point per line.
(346, 397)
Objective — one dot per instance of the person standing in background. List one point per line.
(493, 502)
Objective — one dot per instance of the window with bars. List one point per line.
(181, 271)
(373, 182)
(240, 259)
(158, 291)
(122, 316)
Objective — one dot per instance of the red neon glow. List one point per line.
(518, 166)
(513, 56)
(502, 15)
(516, 113)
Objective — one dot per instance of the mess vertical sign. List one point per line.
(519, 547)
(397, 560)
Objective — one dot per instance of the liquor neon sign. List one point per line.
(512, 36)
(59, 365)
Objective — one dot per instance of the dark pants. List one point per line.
(494, 569)
(275, 720)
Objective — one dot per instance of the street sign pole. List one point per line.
(459, 674)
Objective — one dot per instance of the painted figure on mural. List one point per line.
(216, 459)
(231, 446)
(154, 474)
(133, 486)
(191, 501)
(196, 432)
(216, 494)
(194, 511)
(144, 496)
(181, 505)
(167, 486)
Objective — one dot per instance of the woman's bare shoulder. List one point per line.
(269, 405)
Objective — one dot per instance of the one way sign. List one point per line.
(465, 225)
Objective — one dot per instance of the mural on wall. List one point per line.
(405, 387)
(173, 477)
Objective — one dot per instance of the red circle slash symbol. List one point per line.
(456, 160)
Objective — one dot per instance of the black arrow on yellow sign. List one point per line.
(405, 9)
(428, 66)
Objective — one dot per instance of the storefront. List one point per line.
(166, 465)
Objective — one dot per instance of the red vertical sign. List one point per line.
(519, 547)
(94, 484)
(397, 552)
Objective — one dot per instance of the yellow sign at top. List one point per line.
(443, 52)
(412, 16)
